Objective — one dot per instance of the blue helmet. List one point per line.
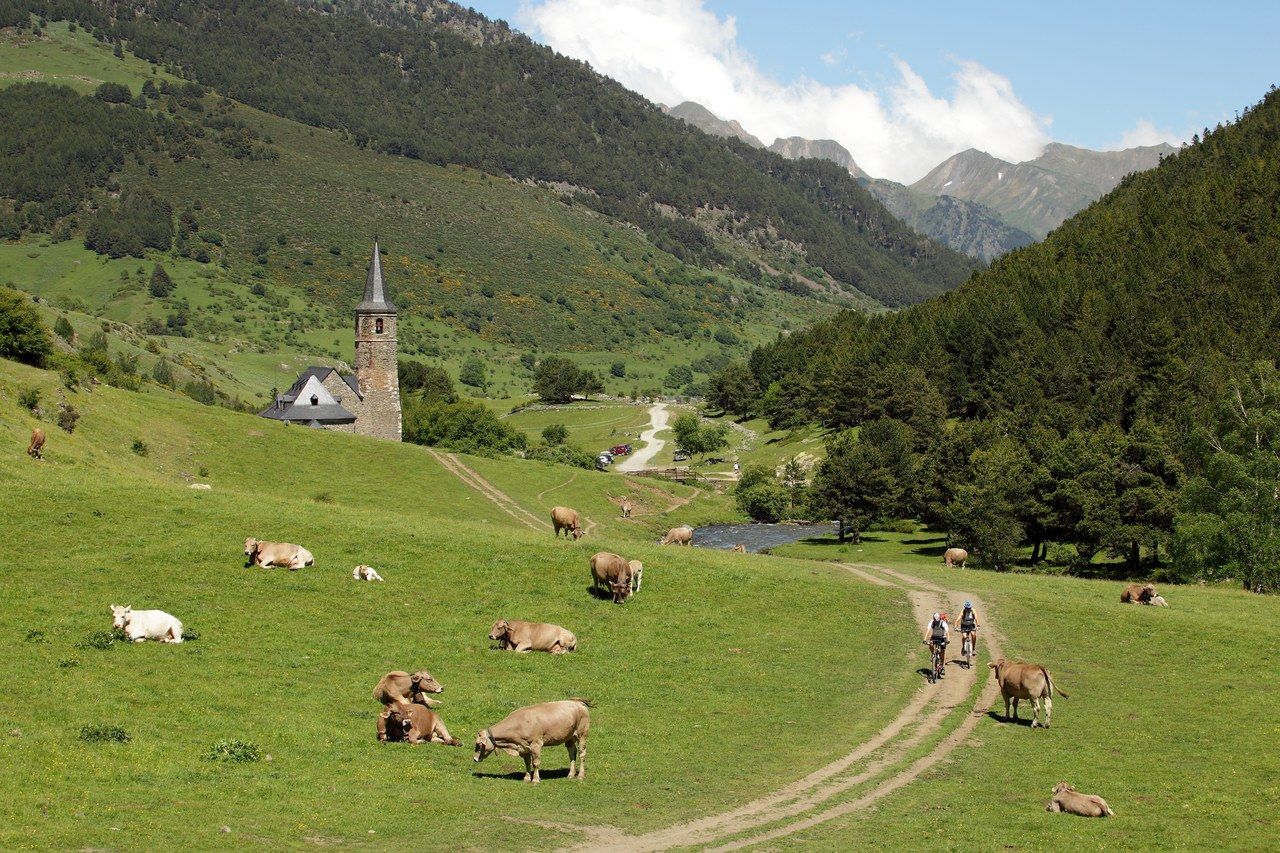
(968, 605)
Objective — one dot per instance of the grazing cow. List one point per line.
(414, 724)
(267, 554)
(517, 636)
(1158, 601)
(563, 518)
(1026, 681)
(1137, 593)
(612, 571)
(365, 573)
(627, 507)
(1068, 799)
(36, 448)
(955, 557)
(400, 688)
(678, 536)
(637, 573)
(739, 548)
(526, 731)
(139, 625)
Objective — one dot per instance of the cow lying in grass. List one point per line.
(365, 573)
(139, 625)
(517, 636)
(400, 688)
(415, 724)
(526, 731)
(1138, 593)
(1068, 799)
(283, 554)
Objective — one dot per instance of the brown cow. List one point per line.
(415, 724)
(1026, 681)
(955, 557)
(400, 688)
(678, 536)
(1068, 799)
(517, 636)
(267, 554)
(627, 507)
(608, 569)
(1137, 593)
(526, 731)
(563, 518)
(36, 448)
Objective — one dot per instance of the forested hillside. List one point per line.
(1106, 388)
(511, 107)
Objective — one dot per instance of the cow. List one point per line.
(400, 688)
(1068, 799)
(678, 536)
(739, 548)
(267, 554)
(517, 636)
(139, 625)
(563, 518)
(1158, 601)
(1137, 593)
(1026, 681)
(637, 574)
(36, 448)
(365, 573)
(627, 507)
(415, 724)
(526, 731)
(955, 557)
(610, 570)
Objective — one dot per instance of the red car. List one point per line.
(620, 449)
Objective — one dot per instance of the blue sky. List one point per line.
(920, 78)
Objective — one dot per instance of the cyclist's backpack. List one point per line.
(936, 631)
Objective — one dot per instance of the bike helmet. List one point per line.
(968, 605)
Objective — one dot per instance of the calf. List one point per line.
(614, 572)
(678, 536)
(266, 554)
(1158, 601)
(400, 688)
(1026, 681)
(139, 625)
(365, 573)
(627, 507)
(567, 520)
(1068, 799)
(637, 574)
(526, 731)
(517, 636)
(36, 448)
(415, 724)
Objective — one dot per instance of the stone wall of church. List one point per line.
(376, 369)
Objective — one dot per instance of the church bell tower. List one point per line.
(376, 372)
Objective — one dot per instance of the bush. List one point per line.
(562, 454)
(201, 392)
(163, 373)
(23, 335)
(462, 426)
(113, 93)
(68, 417)
(104, 734)
(618, 369)
(29, 398)
(555, 434)
(473, 373)
(161, 285)
(234, 750)
(101, 640)
(765, 501)
(140, 447)
(62, 328)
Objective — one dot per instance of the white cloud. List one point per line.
(834, 57)
(1145, 132)
(677, 50)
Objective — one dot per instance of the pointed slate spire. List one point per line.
(375, 296)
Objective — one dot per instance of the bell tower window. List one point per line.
(315, 399)
(377, 326)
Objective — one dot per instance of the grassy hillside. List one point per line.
(287, 660)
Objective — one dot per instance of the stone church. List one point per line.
(368, 402)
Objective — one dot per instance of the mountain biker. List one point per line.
(969, 628)
(936, 634)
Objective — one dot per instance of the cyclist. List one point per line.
(969, 633)
(935, 637)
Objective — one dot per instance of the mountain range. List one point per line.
(975, 203)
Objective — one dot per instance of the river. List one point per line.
(756, 537)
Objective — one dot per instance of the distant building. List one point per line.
(367, 403)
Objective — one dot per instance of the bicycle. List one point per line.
(966, 649)
(939, 660)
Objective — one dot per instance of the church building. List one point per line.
(368, 402)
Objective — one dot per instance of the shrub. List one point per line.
(113, 93)
(462, 426)
(562, 454)
(101, 640)
(201, 392)
(104, 734)
(62, 328)
(23, 335)
(555, 434)
(163, 373)
(764, 501)
(618, 369)
(29, 398)
(473, 373)
(140, 447)
(161, 285)
(68, 417)
(234, 750)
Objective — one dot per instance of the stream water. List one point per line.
(755, 537)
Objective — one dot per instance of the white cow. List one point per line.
(139, 625)
(365, 573)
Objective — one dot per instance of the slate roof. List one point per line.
(375, 295)
(326, 413)
(319, 373)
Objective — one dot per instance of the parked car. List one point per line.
(620, 449)
(681, 456)
(603, 461)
